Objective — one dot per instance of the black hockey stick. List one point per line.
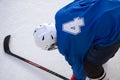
(7, 50)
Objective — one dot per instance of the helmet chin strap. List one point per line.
(53, 47)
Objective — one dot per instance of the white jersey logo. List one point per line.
(74, 26)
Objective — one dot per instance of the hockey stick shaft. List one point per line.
(7, 50)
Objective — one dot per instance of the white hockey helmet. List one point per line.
(45, 36)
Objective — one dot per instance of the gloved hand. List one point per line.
(73, 77)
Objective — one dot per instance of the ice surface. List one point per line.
(19, 18)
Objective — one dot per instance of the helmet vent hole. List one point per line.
(51, 36)
(35, 31)
(43, 38)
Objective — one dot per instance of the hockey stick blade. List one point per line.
(6, 44)
(7, 50)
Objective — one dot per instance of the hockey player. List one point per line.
(88, 35)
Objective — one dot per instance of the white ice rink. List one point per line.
(19, 19)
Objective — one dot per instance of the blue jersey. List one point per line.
(84, 23)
